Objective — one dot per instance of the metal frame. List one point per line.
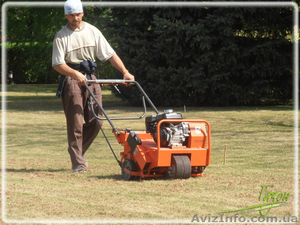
(117, 82)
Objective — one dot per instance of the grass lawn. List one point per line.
(41, 186)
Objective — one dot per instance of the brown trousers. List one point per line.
(75, 104)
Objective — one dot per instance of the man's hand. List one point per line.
(68, 71)
(80, 78)
(118, 64)
(128, 76)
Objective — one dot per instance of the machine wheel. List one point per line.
(130, 165)
(180, 167)
(187, 167)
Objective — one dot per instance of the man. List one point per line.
(75, 49)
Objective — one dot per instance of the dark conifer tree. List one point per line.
(206, 56)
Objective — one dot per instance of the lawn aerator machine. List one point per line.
(171, 146)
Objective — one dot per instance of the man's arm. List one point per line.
(68, 71)
(118, 64)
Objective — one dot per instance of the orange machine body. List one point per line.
(152, 160)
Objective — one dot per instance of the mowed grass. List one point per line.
(40, 184)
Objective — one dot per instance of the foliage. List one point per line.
(180, 55)
(30, 63)
(206, 56)
(31, 31)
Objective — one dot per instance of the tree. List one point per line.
(206, 56)
(31, 31)
(181, 56)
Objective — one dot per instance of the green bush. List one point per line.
(30, 63)
(206, 56)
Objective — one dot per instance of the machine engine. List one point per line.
(171, 134)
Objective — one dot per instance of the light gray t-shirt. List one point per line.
(75, 46)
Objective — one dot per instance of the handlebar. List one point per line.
(117, 82)
(110, 81)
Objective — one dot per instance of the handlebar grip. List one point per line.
(111, 81)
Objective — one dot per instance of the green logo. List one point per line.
(271, 199)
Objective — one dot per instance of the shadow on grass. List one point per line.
(34, 102)
(33, 105)
(111, 177)
(34, 170)
(119, 177)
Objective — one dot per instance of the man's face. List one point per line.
(74, 20)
